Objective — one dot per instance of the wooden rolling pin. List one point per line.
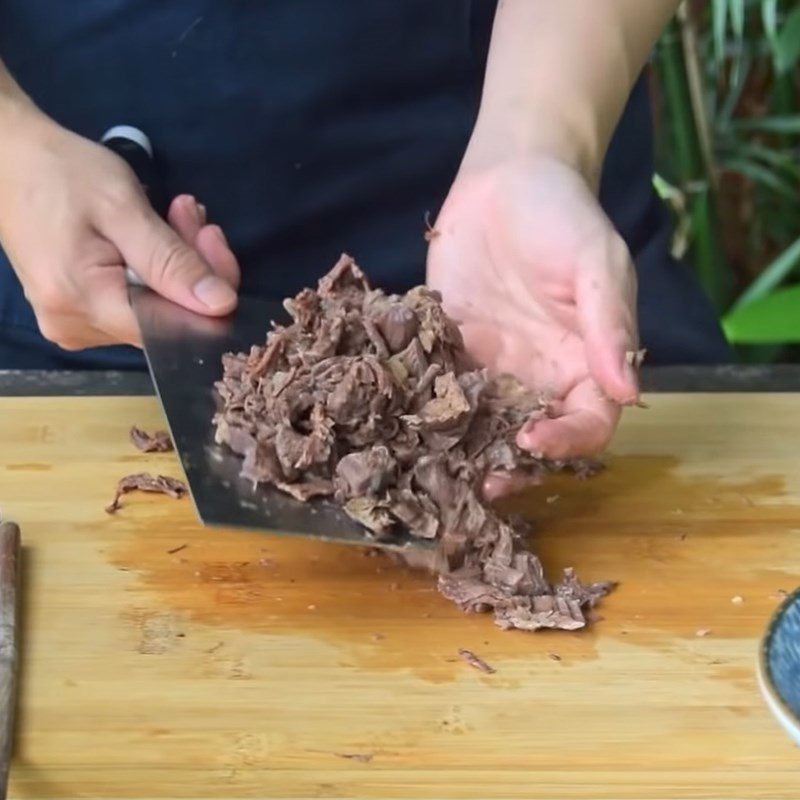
(9, 586)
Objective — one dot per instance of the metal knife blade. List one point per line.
(184, 352)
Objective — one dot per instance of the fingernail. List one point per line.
(221, 236)
(527, 431)
(631, 378)
(214, 293)
(203, 213)
(194, 206)
(525, 442)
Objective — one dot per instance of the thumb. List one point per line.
(168, 265)
(606, 304)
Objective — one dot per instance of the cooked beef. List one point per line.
(636, 357)
(144, 482)
(364, 758)
(373, 399)
(159, 442)
(476, 661)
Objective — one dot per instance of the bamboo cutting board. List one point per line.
(161, 660)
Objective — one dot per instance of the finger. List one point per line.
(584, 428)
(502, 484)
(86, 299)
(188, 218)
(163, 260)
(213, 246)
(109, 311)
(71, 332)
(606, 304)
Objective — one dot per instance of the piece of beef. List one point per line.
(399, 325)
(417, 512)
(374, 400)
(308, 488)
(367, 472)
(144, 482)
(476, 661)
(159, 442)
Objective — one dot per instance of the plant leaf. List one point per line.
(771, 276)
(774, 319)
(668, 193)
(787, 43)
(775, 158)
(760, 174)
(736, 10)
(719, 14)
(769, 16)
(790, 123)
(736, 86)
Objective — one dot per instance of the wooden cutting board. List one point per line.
(165, 661)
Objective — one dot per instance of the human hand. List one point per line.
(72, 216)
(545, 290)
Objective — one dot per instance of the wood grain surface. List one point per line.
(162, 660)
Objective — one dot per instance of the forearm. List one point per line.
(559, 74)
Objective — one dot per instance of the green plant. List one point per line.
(729, 157)
(772, 320)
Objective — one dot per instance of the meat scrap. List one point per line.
(159, 442)
(476, 661)
(636, 357)
(430, 232)
(144, 482)
(372, 400)
(364, 758)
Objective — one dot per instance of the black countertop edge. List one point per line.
(40, 383)
(731, 378)
(725, 378)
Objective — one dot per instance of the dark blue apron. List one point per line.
(308, 127)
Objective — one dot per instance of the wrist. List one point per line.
(21, 123)
(21, 126)
(502, 136)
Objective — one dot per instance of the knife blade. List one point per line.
(184, 354)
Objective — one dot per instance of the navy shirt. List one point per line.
(308, 128)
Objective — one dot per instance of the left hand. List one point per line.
(544, 289)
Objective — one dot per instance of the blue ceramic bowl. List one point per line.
(779, 665)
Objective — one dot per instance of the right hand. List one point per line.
(72, 216)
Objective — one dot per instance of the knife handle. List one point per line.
(134, 147)
(9, 603)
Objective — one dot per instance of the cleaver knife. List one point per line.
(184, 355)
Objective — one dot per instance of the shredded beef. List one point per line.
(144, 482)
(476, 661)
(373, 400)
(159, 442)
